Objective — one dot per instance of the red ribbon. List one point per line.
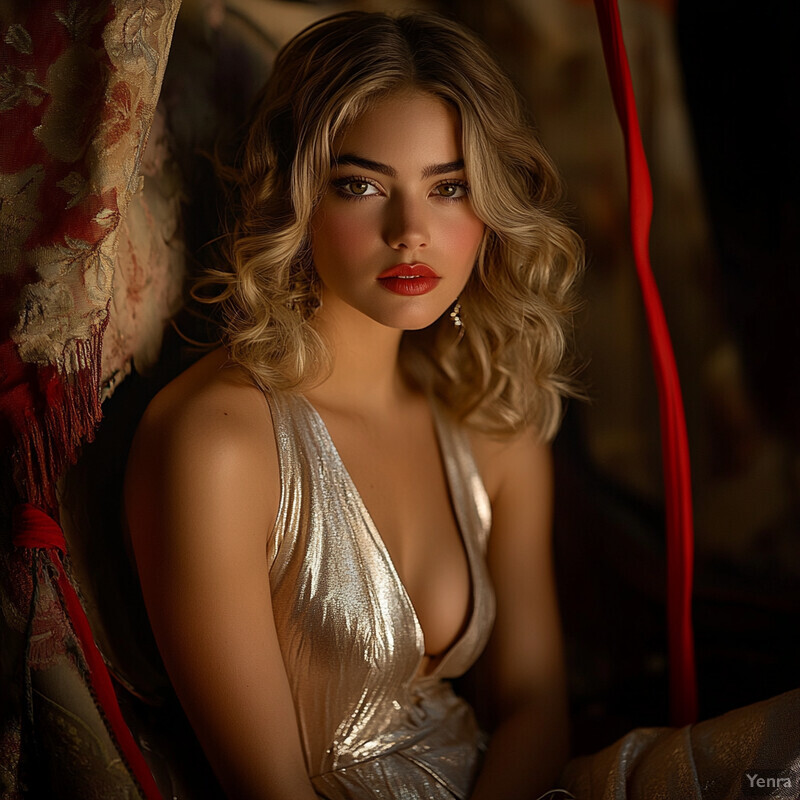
(33, 528)
(674, 441)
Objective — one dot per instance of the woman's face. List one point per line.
(395, 236)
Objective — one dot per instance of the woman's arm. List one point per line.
(529, 746)
(201, 495)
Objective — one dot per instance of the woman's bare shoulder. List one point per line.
(502, 459)
(213, 406)
(212, 397)
(208, 428)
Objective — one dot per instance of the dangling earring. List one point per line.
(458, 323)
(454, 315)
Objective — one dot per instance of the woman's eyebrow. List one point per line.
(385, 169)
(443, 169)
(364, 163)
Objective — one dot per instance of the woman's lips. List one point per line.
(409, 279)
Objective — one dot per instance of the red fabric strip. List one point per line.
(675, 445)
(34, 528)
(103, 690)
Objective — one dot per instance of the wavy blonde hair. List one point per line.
(507, 371)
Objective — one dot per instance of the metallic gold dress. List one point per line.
(371, 725)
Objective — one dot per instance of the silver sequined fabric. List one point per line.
(370, 725)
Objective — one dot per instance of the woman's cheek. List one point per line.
(464, 236)
(340, 234)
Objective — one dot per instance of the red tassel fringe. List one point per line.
(47, 416)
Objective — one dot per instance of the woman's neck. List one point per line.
(365, 375)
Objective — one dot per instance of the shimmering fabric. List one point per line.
(719, 759)
(371, 725)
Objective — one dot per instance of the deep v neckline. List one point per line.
(384, 550)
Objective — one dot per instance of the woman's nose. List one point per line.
(406, 225)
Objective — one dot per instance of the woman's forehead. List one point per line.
(403, 129)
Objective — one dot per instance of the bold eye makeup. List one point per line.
(353, 187)
(452, 189)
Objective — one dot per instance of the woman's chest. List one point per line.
(400, 477)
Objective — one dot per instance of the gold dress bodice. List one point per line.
(371, 724)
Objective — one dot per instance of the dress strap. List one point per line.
(465, 480)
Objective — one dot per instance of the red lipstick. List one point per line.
(409, 279)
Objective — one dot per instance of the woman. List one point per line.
(310, 505)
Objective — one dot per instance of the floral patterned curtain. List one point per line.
(78, 93)
(79, 82)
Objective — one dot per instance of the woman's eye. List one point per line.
(355, 188)
(358, 187)
(451, 190)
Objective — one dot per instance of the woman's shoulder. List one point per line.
(515, 457)
(212, 403)
(203, 469)
(209, 419)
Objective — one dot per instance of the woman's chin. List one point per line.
(412, 319)
(418, 323)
